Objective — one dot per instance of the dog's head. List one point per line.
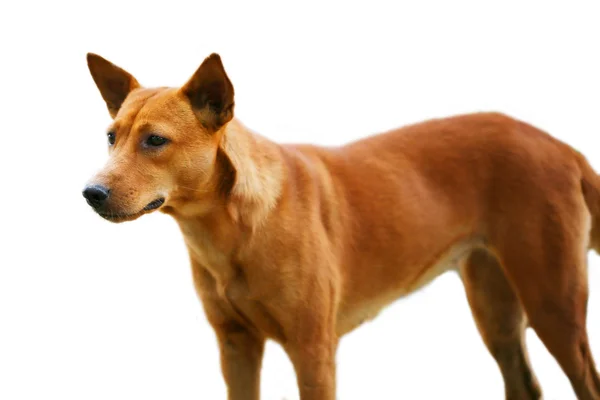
(163, 143)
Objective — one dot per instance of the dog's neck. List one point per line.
(223, 227)
(259, 174)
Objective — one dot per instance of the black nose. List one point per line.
(96, 195)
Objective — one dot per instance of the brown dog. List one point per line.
(300, 244)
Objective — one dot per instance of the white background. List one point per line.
(92, 310)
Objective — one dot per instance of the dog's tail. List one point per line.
(590, 186)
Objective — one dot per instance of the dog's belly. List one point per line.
(353, 314)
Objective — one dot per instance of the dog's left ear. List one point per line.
(210, 93)
(113, 82)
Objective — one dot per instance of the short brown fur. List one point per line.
(301, 244)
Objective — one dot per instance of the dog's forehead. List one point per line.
(136, 101)
(157, 106)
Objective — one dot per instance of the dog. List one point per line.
(300, 244)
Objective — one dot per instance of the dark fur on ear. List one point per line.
(210, 93)
(113, 82)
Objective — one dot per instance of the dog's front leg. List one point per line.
(314, 363)
(241, 358)
(313, 345)
(241, 349)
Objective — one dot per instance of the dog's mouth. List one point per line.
(153, 205)
(122, 217)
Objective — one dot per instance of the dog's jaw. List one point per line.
(118, 217)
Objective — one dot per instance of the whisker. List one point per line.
(195, 190)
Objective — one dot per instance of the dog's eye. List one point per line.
(155, 141)
(111, 138)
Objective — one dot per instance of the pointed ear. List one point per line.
(113, 82)
(210, 93)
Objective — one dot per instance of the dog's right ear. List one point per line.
(210, 93)
(113, 82)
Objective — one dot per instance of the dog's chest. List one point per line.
(209, 242)
(204, 251)
(235, 291)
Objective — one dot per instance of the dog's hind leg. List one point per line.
(501, 322)
(546, 264)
